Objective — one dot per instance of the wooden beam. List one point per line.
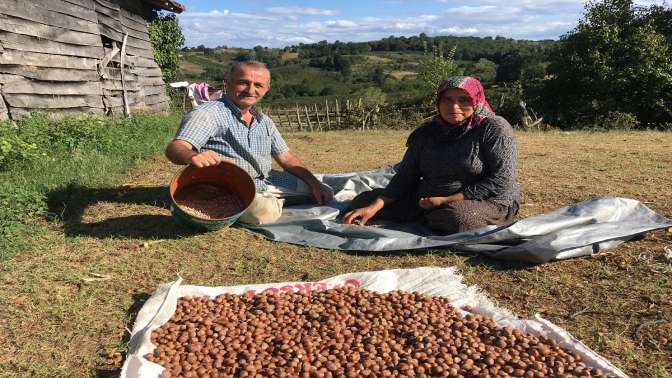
(82, 3)
(67, 8)
(53, 74)
(37, 101)
(115, 85)
(115, 74)
(133, 17)
(109, 32)
(27, 43)
(139, 43)
(128, 20)
(106, 4)
(27, 86)
(52, 33)
(28, 11)
(139, 61)
(148, 71)
(26, 58)
(143, 36)
(143, 81)
(152, 90)
(149, 54)
(155, 99)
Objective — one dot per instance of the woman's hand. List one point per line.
(360, 216)
(429, 203)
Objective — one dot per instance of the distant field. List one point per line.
(399, 75)
(191, 68)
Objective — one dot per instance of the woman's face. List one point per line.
(455, 105)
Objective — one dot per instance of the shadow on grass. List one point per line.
(471, 258)
(69, 204)
(139, 300)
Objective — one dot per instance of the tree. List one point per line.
(617, 61)
(484, 70)
(434, 68)
(167, 38)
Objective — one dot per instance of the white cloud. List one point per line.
(282, 26)
(303, 11)
(343, 24)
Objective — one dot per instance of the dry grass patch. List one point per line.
(68, 300)
(191, 68)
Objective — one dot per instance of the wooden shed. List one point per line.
(66, 56)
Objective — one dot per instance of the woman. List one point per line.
(459, 171)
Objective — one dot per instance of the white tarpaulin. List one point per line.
(580, 229)
(160, 307)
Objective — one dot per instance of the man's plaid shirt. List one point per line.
(219, 126)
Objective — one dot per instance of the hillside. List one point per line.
(312, 73)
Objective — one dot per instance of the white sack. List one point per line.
(160, 307)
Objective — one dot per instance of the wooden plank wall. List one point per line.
(144, 84)
(51, 52)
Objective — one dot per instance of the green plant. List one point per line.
(614, 120)
(167, 38)
(436, 67)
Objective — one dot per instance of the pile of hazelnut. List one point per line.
(349, 332)
(208, 202)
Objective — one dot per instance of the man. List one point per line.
(233, 129)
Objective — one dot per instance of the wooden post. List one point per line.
(326, 104)
(317, 116)
(278, 120)
(298, 118)
(127, 107)
(310, 124)
(289, 118)
(338, 114)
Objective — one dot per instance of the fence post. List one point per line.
(326, 104)
(317, 115)
(338, 114)
(289, 118)
(298, 117)
(310, 124)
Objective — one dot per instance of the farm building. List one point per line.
(66, 56)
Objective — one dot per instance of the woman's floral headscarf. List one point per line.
(475, 90)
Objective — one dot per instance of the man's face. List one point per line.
(247, 85)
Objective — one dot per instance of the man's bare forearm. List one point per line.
(180, 152)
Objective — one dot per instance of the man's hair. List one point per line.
(248, 63)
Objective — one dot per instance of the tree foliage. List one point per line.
(166, 36)
(618, 60)
(436, 67)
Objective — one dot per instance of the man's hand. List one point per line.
(206, 159)
(321, 193)
(182, 152)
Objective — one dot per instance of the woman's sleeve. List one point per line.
(406, 180)
(499, 152)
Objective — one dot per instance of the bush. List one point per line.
(615, 121)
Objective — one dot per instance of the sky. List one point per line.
(274, 23)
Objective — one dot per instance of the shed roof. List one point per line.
(169, 5)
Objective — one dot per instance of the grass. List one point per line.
(54, 323)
